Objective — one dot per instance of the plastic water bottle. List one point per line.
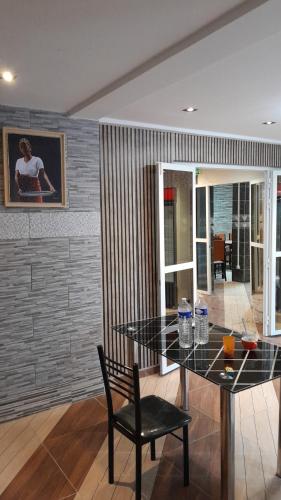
(201, 322)
(185, 324)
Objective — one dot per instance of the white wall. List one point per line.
(215, 176)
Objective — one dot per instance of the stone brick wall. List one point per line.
(50, 280)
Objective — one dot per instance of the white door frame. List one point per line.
(270, 254)
(207, 241)
(273, 253)
(162, 269)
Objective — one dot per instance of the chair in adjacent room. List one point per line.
(219, 258)
(142, 420)
(220, 236)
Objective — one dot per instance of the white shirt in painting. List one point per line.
(30, 168)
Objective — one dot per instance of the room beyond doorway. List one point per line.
(232, 282)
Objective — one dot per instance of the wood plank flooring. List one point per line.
(62, 453)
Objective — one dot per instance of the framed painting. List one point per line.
(34, 168)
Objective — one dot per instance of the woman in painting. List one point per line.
(29, 173)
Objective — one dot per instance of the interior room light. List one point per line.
(8, 76)
(268, 123)
(190, 109)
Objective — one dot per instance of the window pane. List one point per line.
(257, 283)
(177, 286)
(278, 295)
(201, 212)
(257, 202)
(178, 217)
(202, 266)
(278, 215)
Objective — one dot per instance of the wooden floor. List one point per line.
(62, 453)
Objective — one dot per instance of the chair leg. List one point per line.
(185, 456)
(110, 453)
(138, 471)
(152, 450)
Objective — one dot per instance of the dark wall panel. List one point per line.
(128, 158)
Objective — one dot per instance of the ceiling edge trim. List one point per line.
(166, 128)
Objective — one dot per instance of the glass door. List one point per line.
(203, 240)
(176, 240)
(275, 292)
(257, 250)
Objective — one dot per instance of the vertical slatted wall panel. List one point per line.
(128, 158)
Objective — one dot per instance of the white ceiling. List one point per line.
(234, 96)
(145, 61)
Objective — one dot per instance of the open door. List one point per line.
(203, 239)
(275, 255)
(176, 240)
(258, 218)
(266, 252)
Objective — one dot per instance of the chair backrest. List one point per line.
(219, 236)
(218, 250)
(123, 380)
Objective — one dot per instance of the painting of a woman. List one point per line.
(28, 171)
(34, 168)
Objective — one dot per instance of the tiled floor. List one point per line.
(229, 303)
(62, 453)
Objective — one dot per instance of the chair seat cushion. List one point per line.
(158, 417)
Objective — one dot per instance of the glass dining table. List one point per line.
(243, 370)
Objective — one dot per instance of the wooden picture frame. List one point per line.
(34, 168)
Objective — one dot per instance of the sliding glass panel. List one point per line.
(257, 212)
(278, 215)
(169, 233)
(178, 225)
(177, 286)
(202, 280)
(278, 295)
(201, 212)
(257, 283)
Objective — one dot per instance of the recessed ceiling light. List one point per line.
(268, 123)
(8, 76)
(190, 109)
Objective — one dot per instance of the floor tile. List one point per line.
(40, 478)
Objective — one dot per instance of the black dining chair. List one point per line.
(142, 420)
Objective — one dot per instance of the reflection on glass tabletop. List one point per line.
(245, 369)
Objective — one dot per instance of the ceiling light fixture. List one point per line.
(269, 123)
(191, 109)
(7, 76)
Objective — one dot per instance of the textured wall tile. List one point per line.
(58, 323)
(16, 380)
(14, 226)
(223, 209)
(46, 344)
(14, 117)
(85, 355)
(12, 278)
(54, 372)
(17, 405)
(85, 248)
(25, 252)
(15, 326)
(15, 352)
(66, 224)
